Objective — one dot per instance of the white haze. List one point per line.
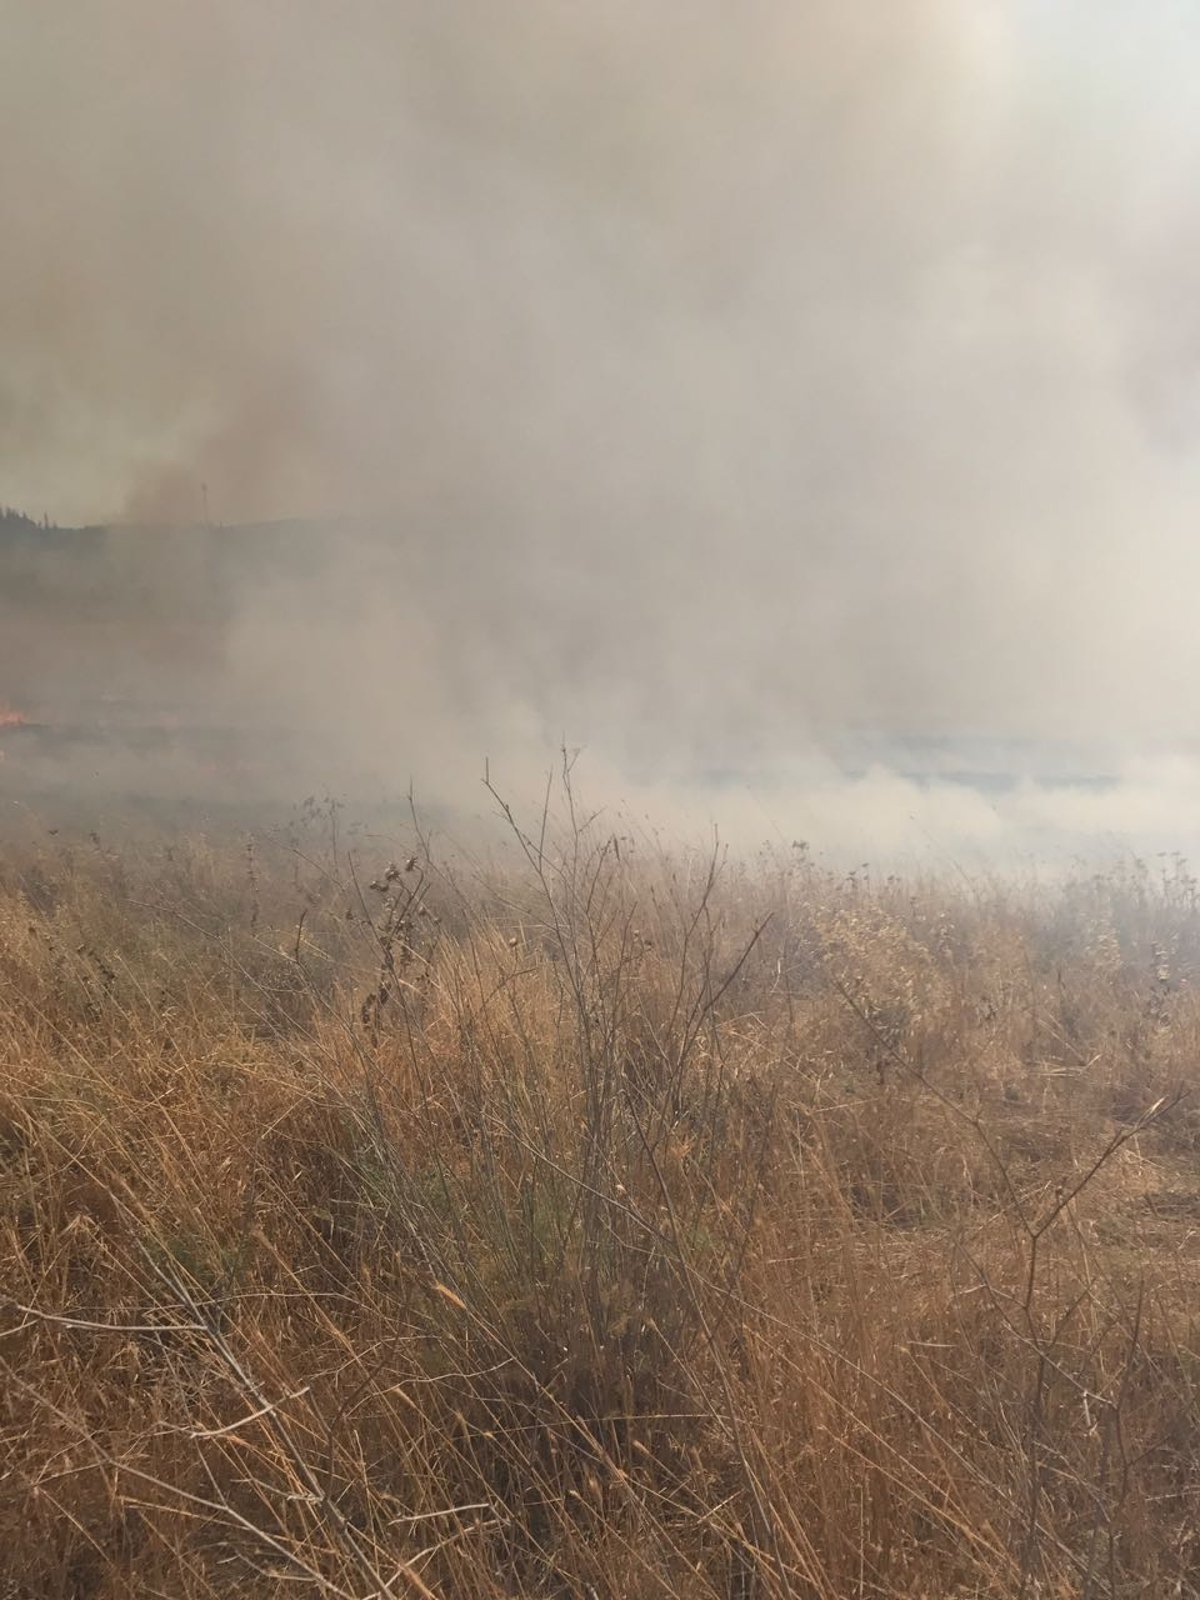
(716, 381)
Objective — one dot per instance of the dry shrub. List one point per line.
(611, 1224)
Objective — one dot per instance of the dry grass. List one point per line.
(600, 1225)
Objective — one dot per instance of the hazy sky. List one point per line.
(768, 367)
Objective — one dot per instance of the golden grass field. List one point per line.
(597, 1221)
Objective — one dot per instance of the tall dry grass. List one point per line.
(605, 1223)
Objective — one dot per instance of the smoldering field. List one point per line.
(197, 673)
(482, 1205)
(521, 1192)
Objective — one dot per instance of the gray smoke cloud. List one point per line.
(710, 380)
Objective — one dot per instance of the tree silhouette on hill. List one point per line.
(11, 518)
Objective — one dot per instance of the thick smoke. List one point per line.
(710, 382)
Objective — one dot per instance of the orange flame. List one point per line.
(10, 718)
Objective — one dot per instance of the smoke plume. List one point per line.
(705, 384)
